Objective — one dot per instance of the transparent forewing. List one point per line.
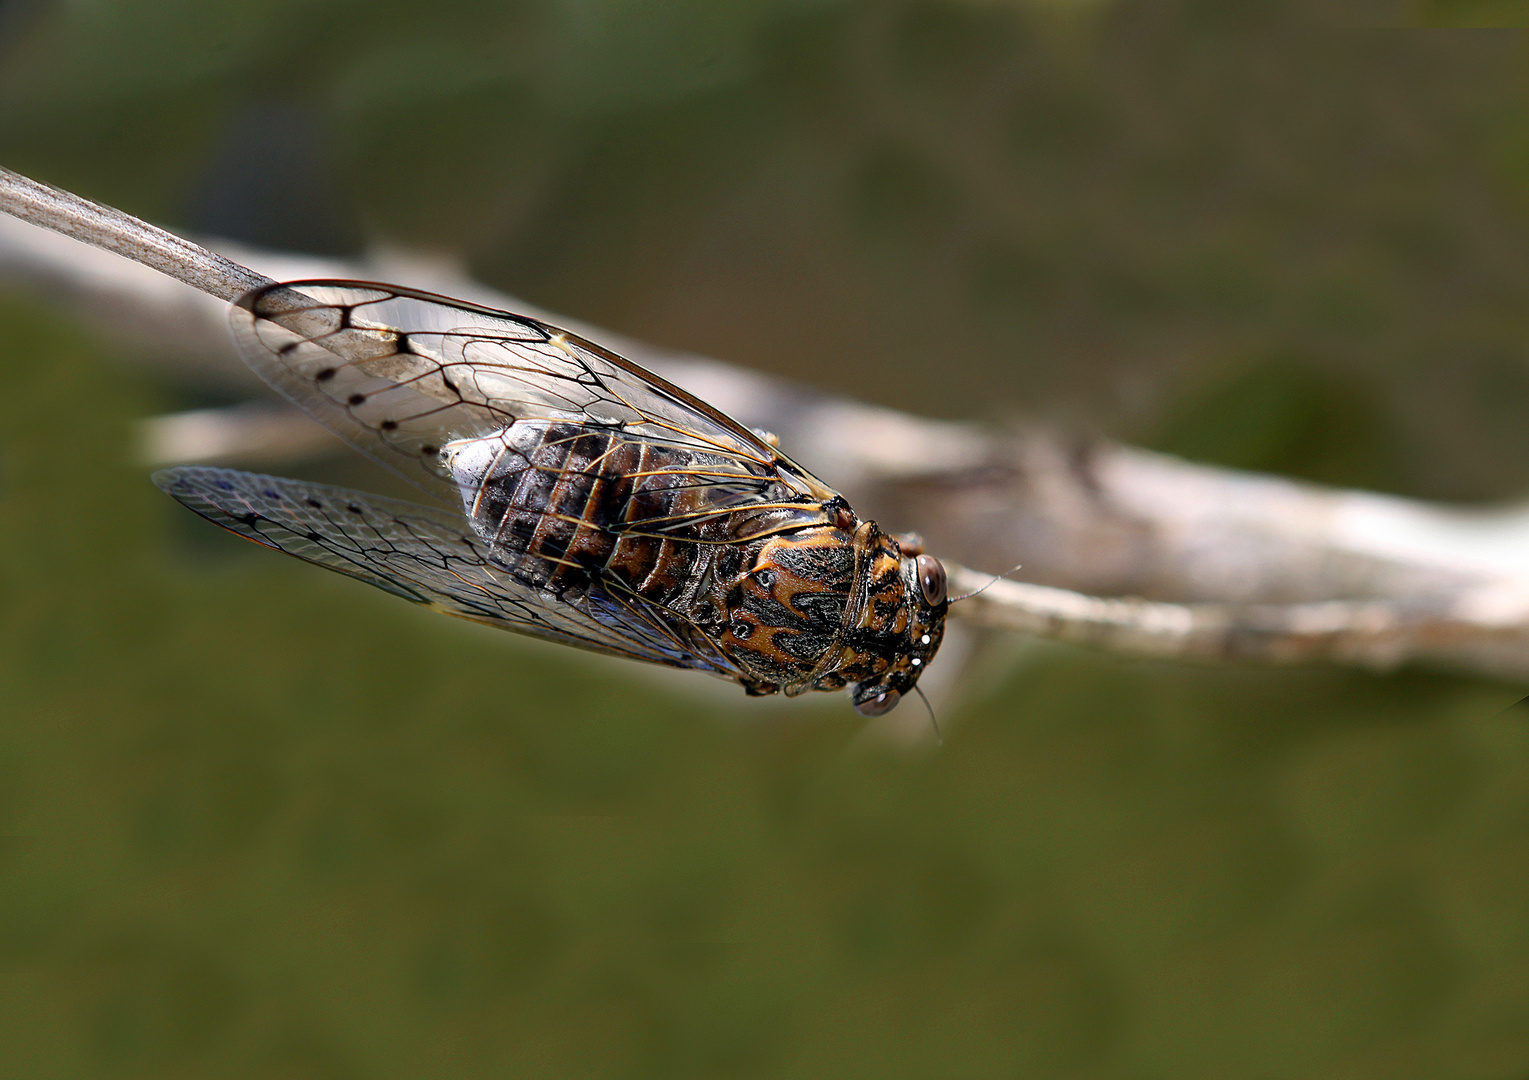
(426, 556)
(403, 375)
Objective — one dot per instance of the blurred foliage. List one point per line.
(259, 821)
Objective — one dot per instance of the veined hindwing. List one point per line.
(431, 557)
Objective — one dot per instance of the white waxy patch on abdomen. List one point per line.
(470, 460)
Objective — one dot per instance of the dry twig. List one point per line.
(1220, 564)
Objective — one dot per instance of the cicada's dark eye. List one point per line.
(931, 579)
(881, 703)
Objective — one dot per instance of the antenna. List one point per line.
(984, 588)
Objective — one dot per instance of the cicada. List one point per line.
(577, 497)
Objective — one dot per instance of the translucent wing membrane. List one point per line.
(411, 379)
(430, 557)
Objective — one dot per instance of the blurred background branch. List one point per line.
(1206, 563)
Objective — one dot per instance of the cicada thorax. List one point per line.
(825, 607)
(785, 606)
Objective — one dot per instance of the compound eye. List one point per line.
(881, 703)
(931, 579)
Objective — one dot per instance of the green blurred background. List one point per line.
(259, 821)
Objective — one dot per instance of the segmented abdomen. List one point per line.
(563, 501)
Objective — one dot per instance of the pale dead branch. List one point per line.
(1123, 549)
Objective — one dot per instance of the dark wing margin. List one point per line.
(429, 556)
(401, 374)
